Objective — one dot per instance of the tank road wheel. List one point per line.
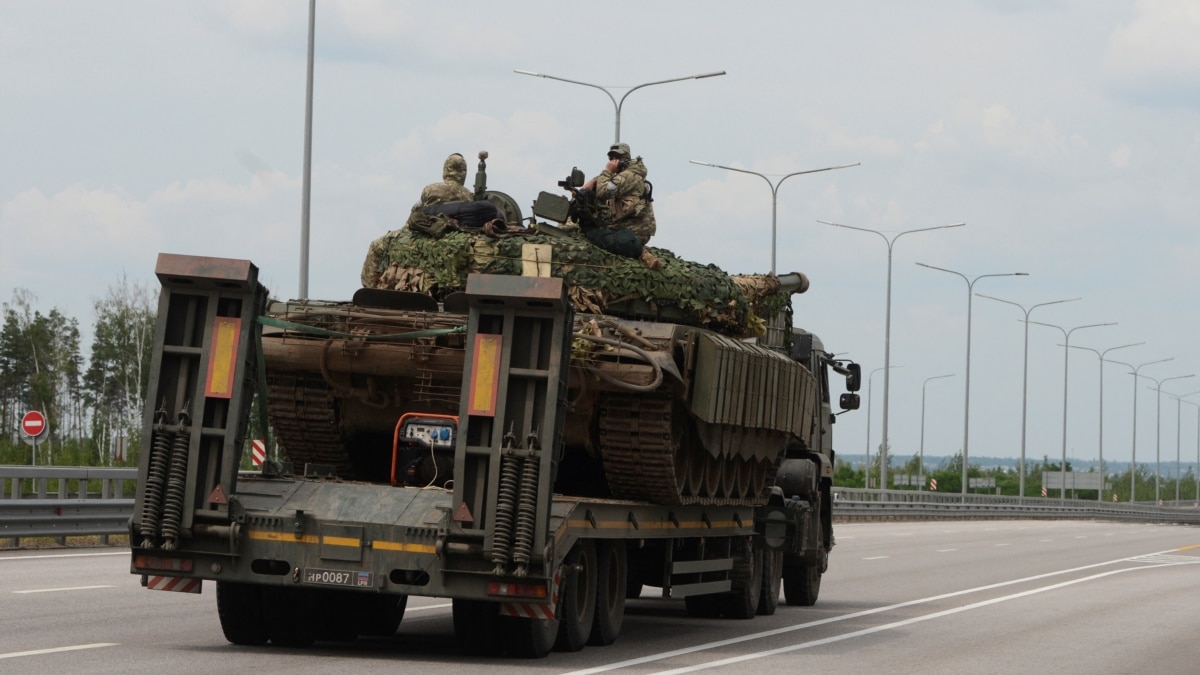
(747, 575)
(714, 475)
(801, 584)
(477, 626)
(528, 638)
(577, 607)
(772, 582)
(612, 587)
(239, 607)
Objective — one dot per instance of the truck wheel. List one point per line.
(612, 585)
(528, 638)
(747, 575)
(380, 615)
(239, 606)
(477, 626)
(772, 581)
(291, 616)
(801, 585)
(577, 604)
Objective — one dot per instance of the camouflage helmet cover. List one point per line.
(619, 149)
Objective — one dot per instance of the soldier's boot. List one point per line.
(650, 260)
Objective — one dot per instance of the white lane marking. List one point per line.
(55, 590)
(946, 550)
(417, 609)
(55, 650)
(894, 624)
(877, 557)
(1004, 544)
(852, 615)
(62, 555)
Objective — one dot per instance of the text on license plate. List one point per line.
(317, 575)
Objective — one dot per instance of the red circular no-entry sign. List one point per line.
(33, 424)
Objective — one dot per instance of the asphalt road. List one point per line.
(928, 597)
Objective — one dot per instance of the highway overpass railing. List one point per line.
(63, 501)
(861, 504)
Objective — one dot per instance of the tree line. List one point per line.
(948, 474)
(93, 405)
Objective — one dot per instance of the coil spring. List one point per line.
(176, 482)
(156, 478)
(526, 515)
(506, 504)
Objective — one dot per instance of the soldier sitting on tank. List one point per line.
(623, 188)
(449, 197)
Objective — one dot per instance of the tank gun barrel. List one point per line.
(793, 282)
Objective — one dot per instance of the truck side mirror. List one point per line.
(849, 401)
(853, 377)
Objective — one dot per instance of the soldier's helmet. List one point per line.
(619, 150)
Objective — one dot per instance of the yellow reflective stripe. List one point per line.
(1188, 548)
(281, 536)
(406, 548)
(284, 537)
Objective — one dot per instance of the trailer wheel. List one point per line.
(577, 607)
(380, 615)
(528, 638)
(291, 616)
(239, 607)
(477, 625)
(747, 575)
(801, 585)
(771, 583)
(612, 586)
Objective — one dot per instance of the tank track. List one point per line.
(649, 454)
(303, 414)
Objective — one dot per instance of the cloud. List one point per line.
(1155, 58)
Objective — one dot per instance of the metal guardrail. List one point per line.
(61, 502)
(858, 503)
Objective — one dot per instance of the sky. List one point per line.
(1065, 134)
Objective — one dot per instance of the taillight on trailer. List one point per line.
(162, 564)
(509, 590)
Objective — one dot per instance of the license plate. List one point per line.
(326, 577)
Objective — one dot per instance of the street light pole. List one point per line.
(1158, 430)
(1025, 370)
(921, 465)
(887, 327)
(774, 190)
(307, 187)
(867, 469)
(1135, 371)
(1100, 354)
(617, 104)
(1178, 437)
(1062, 493)
(967, 387)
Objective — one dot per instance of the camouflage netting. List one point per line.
(597, 281)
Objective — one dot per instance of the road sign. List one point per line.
(33, 424)
(258, 452)
(933, 484)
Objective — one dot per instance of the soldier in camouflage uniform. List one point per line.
(451, 187)
(623, 188)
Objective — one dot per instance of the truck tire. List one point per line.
(291, 616)
(612, 587)
(528, 638)
(772, 582)
(477, 626)
(742, 601)
(380, 615)
(239, 607)
(801, 585)
(577, 603)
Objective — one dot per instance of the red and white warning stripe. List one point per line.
(258, 452)
(177, 584)
(527, 610)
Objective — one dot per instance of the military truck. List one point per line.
(497, 444)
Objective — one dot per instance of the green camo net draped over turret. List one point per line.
(598, 281)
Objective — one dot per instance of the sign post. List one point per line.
(33, 427)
